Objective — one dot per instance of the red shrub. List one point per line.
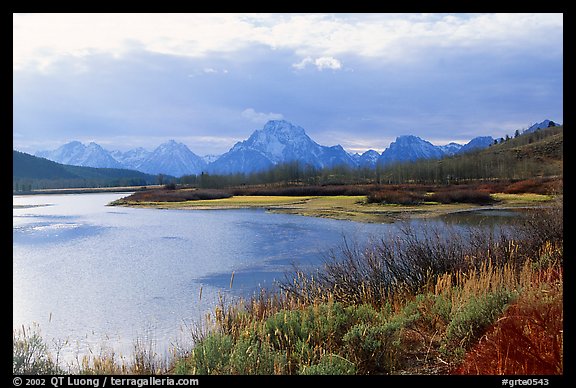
(395, 197)
(526, 340)
(535, 185)
(462, 196)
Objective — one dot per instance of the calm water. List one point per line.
(99, 275)
(95, 274)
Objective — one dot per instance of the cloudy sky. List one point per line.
(210, 80)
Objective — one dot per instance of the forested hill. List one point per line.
(536, 154)
(31, 172)
(544, 146)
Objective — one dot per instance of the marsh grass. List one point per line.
(431, 331)
(415, 303)
(31, 355)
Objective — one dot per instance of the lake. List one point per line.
(106, 276)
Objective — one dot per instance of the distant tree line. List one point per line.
(32, 173)
(23, 185)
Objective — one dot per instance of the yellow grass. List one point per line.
(244, 201)
(525, 198)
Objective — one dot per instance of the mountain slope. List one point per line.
(131, 159)
(26, 166)
(36, 172)
(479, 142)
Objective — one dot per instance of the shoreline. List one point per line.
(86, 190)
(351, 208)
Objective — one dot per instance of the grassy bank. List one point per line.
(435, 331)
(362, 202)
(422, 302)
(343, 207)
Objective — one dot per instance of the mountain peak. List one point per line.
(172, 158)
(408, 139)
(93, 145)
(279, 141)
(283, 129)
(409, 148)
(278, 123)
(172, 146)
(544, 124)
(170, 143)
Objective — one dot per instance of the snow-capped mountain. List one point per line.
(78, 154)
(132, 158)
(477, 143)
(278, 142)
(451, 148)
(544, 124)
(409, 148)
(368, 159)
(172, 158)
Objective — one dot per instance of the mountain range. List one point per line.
(279, 141)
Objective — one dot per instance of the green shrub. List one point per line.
(373, 348)
(428, 312)
(476, 316)
(330, 365)
(253, 357)
(367, 313)
(211, 356)
(284, 328)
(323, 324)
(30, 354)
